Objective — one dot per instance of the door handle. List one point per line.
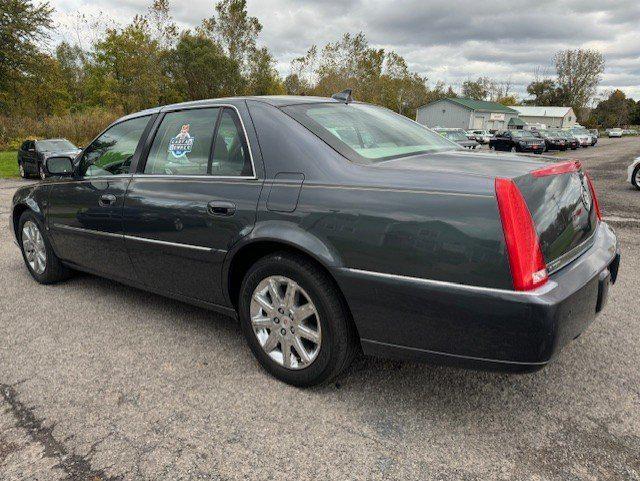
(221, 207)
(106, 200)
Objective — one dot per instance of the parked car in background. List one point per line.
(482, 136)
(349, 225)
(552, 140)
(33, 153)
(458, 136)
(582, 135)
(571, 141)
(517, 141)
(633, 173)
(615, 133)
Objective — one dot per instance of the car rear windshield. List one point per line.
(365, 133)
(455, 135)
(55, 145)
(522, 134)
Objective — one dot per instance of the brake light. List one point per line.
(557, 169)
(596, 204)
(528, 268)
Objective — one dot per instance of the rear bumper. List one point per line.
(499, 329)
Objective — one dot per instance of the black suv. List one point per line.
(32, 154)
(516, 141)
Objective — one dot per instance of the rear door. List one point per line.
(194, 195)
(85, 212)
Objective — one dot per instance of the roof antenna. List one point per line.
(344, 96)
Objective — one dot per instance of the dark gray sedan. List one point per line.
(32, 155)
(326, 226)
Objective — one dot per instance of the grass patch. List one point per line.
(9, 164)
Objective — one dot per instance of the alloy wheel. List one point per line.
(286, 322)
(34, 248)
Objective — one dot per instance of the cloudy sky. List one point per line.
(448, 40)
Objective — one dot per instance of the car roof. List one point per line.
(275, 100)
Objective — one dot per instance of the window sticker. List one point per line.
(181, 144)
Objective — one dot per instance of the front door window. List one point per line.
(111, 153)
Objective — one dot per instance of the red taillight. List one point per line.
(596, 204)
(557, 169)
(528, 268)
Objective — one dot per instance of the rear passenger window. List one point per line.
(231, 152)
(182, 145)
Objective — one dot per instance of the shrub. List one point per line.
(79, 127)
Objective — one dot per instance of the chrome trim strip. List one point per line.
(208, 178)
(387, 189)
(573, 254)
(134, 238)
(86, 231)
(549, 286)
(170, 244)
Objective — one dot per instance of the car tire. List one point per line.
(43, 264)
(635, 177)
(330, 322)
(41, 172)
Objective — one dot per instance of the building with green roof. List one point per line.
(468, 114)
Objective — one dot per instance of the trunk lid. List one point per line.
(561, 204)
(563, 212)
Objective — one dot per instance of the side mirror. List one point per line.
(62, 166)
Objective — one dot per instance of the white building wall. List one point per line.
(550, 122)
(444, 113)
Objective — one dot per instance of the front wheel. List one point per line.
(42, 263)
(295, 321)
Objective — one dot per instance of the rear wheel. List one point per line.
(295, 321)
(635, 177)
(42, 263)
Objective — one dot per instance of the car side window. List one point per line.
(230, 152)
(182, 144)
(111, 153)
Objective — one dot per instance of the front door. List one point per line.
(85, 212)
(192, 199)
(29, 157)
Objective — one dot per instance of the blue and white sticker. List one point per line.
(181, 144)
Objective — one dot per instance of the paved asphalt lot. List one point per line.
(101, 382)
